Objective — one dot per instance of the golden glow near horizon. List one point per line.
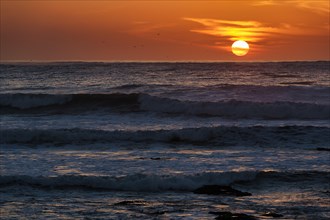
(240, 48)
(164, 30)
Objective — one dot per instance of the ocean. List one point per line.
(133, 140)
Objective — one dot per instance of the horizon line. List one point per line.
(157, 61)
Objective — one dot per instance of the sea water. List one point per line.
(134, 140)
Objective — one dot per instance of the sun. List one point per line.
(240, 48)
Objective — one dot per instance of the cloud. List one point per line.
(263, 2)
(227, 30)
(254, 32)
(317, 6)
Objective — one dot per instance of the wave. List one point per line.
(157, 183)
(237, 109)
(212, 136)
(66, 103)
(136, 182)
(76, 103)
(26, 101)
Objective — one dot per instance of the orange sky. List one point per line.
(164, 30)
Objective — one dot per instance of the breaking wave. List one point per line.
(76, 103)
(237, 109)
(135, 182)
(157, 183)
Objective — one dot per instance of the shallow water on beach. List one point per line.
(134, 140)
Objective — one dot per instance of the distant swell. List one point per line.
(219, 136)
(77, 103)
(156, 183)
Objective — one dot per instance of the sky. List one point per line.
(75, 30)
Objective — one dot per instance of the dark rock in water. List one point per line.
(220, 190)
(327, 192)
(160, 158)
(232, 216)
(156, 213)
(272, 214)
(130, 203)
(155, 158)
(175, 138)
(323, 149)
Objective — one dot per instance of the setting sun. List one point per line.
(142, 109)
(240, 48)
